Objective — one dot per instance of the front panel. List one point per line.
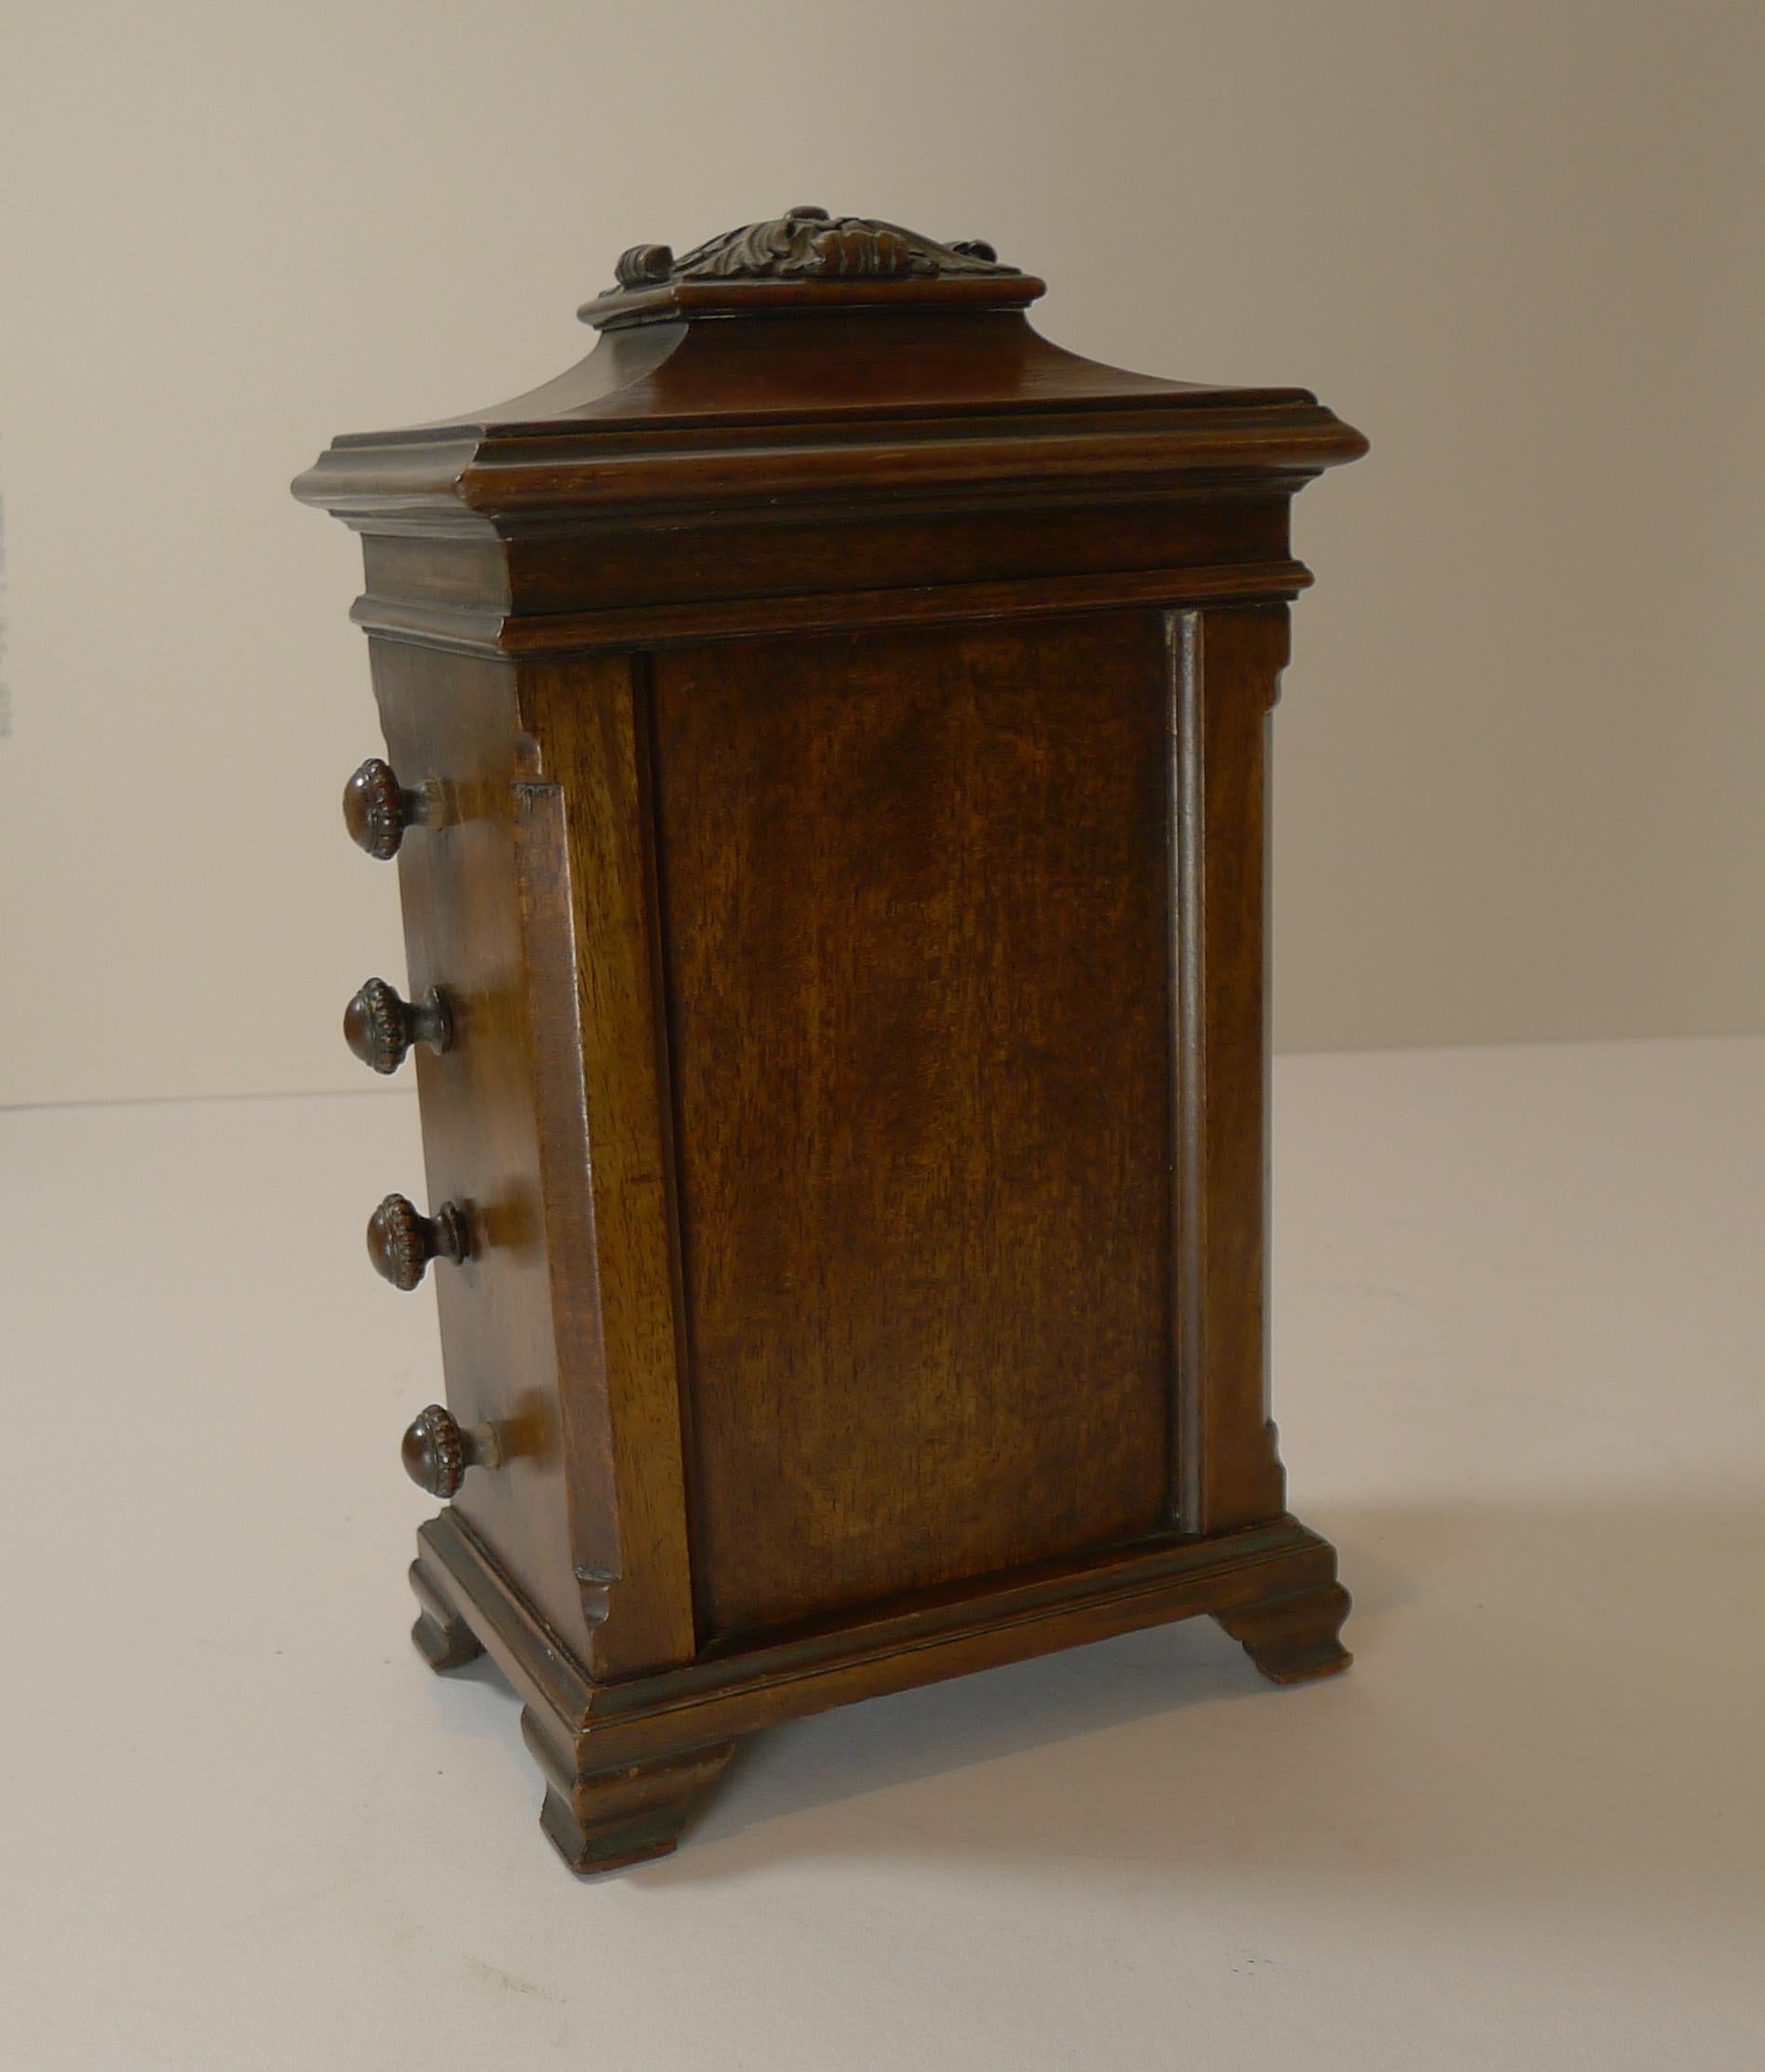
(913, 918)
(450, 722)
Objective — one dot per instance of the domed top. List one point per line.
(805, 259)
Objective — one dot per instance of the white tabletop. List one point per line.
(1519, 1342)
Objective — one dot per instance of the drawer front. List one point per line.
(913, 911)
(469, 932)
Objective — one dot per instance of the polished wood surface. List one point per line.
(453, 723)
(921, 1066)
(830, 728)
(610, 1169)
(1224, 669)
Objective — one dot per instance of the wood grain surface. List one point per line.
(914, 899)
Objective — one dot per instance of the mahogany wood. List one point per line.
(831, 733)
(920, 1063)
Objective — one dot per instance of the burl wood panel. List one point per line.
(914, 910)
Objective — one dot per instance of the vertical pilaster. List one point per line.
(1224, 668)
(609, 1165)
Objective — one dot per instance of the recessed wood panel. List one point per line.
(914, 921)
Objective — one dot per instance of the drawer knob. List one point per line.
(379, 1027)
(401, 1241)
(377, 809)
(437, 1451)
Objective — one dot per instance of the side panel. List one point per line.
(915, 906)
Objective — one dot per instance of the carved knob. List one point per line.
(379, 1027)
(401, 1243)
(377, 809)
(437, 1451)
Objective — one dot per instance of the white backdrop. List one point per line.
(1520, 757)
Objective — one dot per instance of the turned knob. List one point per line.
(437, 1451)
(401, 1241)
(379, 1027)
(377, 809)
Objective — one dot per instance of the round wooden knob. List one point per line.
(379, 1027)
(401, 1241)
(377, 809)
(437, 1451)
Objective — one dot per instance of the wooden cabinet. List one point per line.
(826, 742)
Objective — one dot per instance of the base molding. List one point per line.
(623, 1762)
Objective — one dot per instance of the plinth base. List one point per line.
(624, 1763)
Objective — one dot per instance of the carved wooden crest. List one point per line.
(808, 244)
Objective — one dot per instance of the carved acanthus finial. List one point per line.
(643, 266)
(808, 244)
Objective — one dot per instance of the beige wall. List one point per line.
(1522, 748)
